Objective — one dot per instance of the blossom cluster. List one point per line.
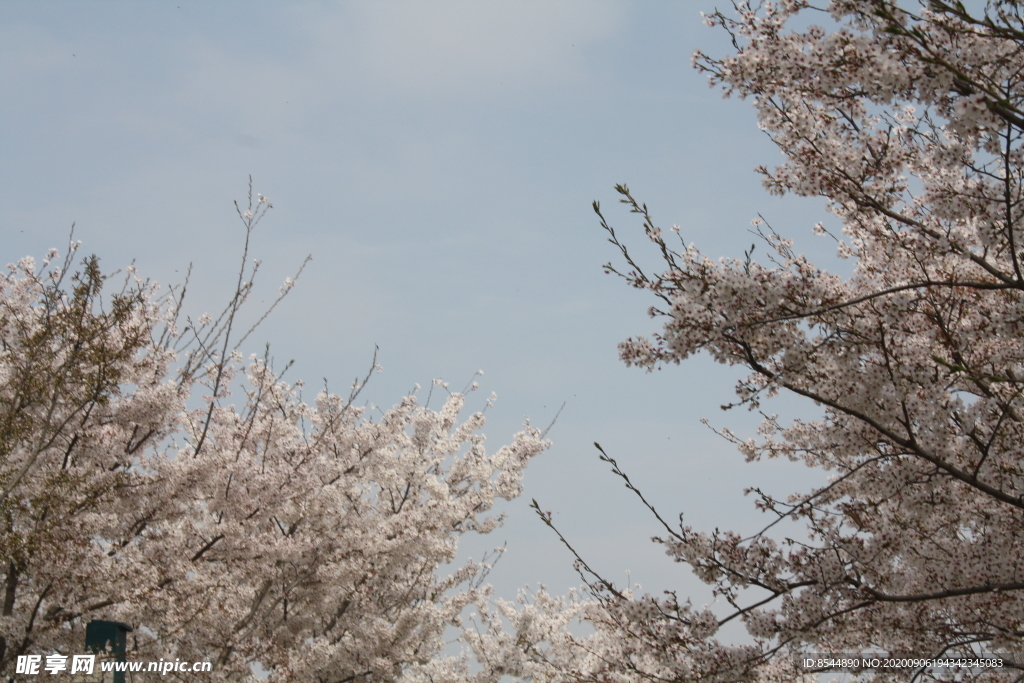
(152, 476)
(909, 122)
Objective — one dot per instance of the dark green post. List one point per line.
(99, 633)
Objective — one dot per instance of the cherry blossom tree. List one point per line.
(908, 120)
(153, 476)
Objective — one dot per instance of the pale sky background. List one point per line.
(438, 160)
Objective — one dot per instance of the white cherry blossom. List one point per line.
(150, 475)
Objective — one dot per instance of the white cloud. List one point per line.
(442, 48)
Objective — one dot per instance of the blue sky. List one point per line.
(438, 160)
